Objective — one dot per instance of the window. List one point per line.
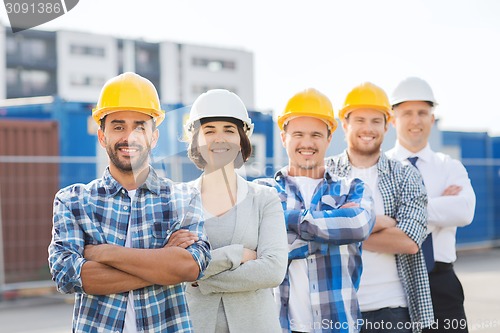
(37, 49)
(147, 59)
(95, 51)
(34, 50)
(10, 45)
(28, 83)
(214, 65)
(80, 80)
(11, 77)
(199, 89)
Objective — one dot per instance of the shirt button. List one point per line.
(125, 207)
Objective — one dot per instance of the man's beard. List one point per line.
(366, 151)
(128, 166)
(308, 166)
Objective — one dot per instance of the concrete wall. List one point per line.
(82, 70)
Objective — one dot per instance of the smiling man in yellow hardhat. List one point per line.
(114, 240)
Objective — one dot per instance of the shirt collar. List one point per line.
(281, 174)
(401, 153)
(112, 186)
(344, 165)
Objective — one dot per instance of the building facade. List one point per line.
(75, 65)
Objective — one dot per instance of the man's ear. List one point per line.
(329, 139)
(154, 139)
(344, 125)
(387, 124)
(393, 121)
(101, 137)
(283, 138)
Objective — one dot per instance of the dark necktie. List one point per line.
(427, 247)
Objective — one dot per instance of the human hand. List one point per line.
(248, 255)
(350, 205)
(452, 190)
(182, 238)
(383, 222)
(94, 252)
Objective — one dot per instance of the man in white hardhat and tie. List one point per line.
(451, 198)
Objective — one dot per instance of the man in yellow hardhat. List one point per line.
(114, 240)
(326, 218)
(451, 198)
(394, 291)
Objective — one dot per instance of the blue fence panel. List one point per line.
(495, 143)
(476, 150)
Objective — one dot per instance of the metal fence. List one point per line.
(28, 184)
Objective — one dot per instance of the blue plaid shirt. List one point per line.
(405, 200)
(330, 238)
(99, 213)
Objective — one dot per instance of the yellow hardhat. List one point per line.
(366, 96)
(309, 103)
(128, 92)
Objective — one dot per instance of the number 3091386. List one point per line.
(34, 8)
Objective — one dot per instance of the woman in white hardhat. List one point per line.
(244, 222)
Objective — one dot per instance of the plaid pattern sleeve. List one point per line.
(100, 212)
(412, 212)
(405, 199)
(330, 238)
(326, 221)
(188, 207)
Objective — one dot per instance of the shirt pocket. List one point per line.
(160, 233)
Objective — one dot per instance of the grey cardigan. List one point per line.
(245, 289)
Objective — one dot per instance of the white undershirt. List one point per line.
(130, 325)
(299, 304)
(380, 285)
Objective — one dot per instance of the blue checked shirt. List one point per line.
(330, 238)
(99, 213)
(405, 200)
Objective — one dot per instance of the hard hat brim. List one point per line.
(343, 113)
(402, 100)
(332, 125)
(157, 115)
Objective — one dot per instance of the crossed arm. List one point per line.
(113, 269)
(386, 237)
(405, 232)
(456, 204)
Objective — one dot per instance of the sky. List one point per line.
(330, 45)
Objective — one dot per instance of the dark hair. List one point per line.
(328, 130)
(194, 154)
(103, 121)
(346, 118)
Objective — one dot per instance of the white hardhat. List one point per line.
(412, 89)
(219, 103)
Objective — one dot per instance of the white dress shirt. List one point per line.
(445, 213)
